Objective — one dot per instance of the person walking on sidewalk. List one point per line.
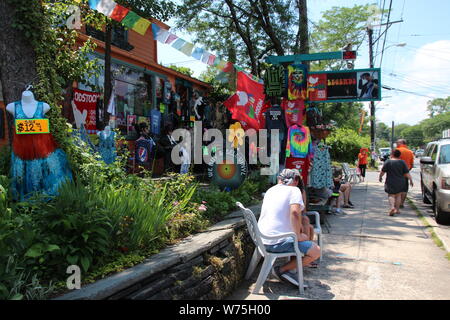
(281, 212)
(407, 156)
(397, 178)
(362, 162)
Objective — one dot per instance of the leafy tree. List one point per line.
(398, 130)
(345, 144)
(338, 27)
(438, 106)
(432, 128)
(184, 70)
(246, 30)
(383, 132)
(413, 136)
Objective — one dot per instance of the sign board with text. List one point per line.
(32, 126)
(345, 85)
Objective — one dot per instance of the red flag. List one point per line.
(247, 104)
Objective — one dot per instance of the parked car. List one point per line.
(435, 178)
(419, 153)
(384, 153)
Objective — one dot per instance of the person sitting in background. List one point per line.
(343, 189)
(281, 213)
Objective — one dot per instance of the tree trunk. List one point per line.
(18, 58)
(303, 34)
(108, 82)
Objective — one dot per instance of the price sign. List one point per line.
(32, 126)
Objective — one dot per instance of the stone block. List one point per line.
(153, 288)
(193, 262)
(125, 293)
(201, 289)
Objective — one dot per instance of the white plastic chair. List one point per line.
(317, 229)
(350, 173)
(269, 257)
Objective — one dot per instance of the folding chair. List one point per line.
(269, 257)
(350, 173)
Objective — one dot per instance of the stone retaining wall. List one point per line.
(208, 265)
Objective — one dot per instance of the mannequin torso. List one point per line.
(29, 105)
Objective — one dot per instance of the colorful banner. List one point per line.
(86, 101)
(246, 105)
(345, 86)
(141, 26)
(119, 13)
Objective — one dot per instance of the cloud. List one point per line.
(427, 73)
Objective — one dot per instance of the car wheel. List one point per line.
(424, 196)
(441, 217)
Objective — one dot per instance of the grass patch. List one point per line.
(422, 218)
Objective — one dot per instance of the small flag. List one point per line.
(205, 57)
(228, 67)
(178, 44)
(197, 54)
(141, 26)
(106, 7)
(93, 4)
(211, 60)
(130, 20)
(119, 13)
(187, 48)
(159, 34)
(171, 38)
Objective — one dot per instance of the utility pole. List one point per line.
(372, 104)
(392, 136)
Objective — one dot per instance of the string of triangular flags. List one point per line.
(133, 21)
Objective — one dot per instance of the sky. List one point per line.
(420, 66)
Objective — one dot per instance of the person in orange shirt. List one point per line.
(407, 156)
(362, 162)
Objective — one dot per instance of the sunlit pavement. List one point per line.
(369, 255)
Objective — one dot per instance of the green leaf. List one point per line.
(72, 259)
(35, 251)
(85, 263)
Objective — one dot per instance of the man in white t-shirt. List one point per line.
(281, 212)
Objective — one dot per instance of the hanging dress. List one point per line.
(37, 164)
(321, 173)
(107, 147)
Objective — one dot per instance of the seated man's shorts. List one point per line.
(288, 246)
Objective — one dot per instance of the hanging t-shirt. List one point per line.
(275, 118)
(321, 172)
(167, 92)
(144, 148)
(296, 81)
(299, 143)
(294, 111)
(301, 164)
(155, 124)
(274, 81)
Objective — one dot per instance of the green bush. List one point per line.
(345, 145)
(5, 159)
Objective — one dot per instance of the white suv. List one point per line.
(435, 178)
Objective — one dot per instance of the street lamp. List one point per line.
(392, 45)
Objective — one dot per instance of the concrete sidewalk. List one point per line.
(369, 255)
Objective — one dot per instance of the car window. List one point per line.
(434, 153)
(429, 149)
(444, 155)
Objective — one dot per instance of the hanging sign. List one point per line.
(86, 102)
(32, 126)
(345, 86)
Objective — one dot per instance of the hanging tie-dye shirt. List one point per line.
(299, 143)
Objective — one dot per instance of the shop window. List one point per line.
(119, 37)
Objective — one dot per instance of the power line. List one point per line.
(386, 32)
